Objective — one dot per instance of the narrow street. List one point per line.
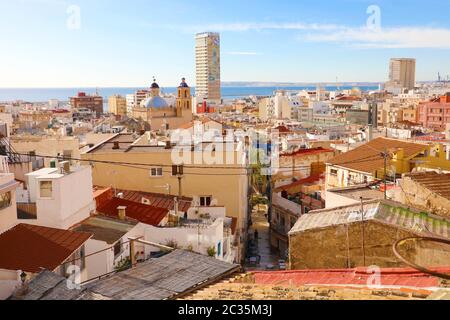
(259, 255)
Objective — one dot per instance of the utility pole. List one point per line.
(385, 155)
(363, 232)
(178, 171)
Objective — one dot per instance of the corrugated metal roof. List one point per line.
(162, 278)
(389, 212)
(157, 279)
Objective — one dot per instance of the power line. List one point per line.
(150, 165)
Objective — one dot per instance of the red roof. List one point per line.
(310, 179)
(282, 129)
(31, 248)
(157, 200)
(134, 210)
(405, 277)
(301, 152)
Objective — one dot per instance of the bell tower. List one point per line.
(184, 99)
(154, 89)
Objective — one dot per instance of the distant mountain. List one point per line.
(296, 84)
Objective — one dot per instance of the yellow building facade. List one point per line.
(210, 185)
(117, 105)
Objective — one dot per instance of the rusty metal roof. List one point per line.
(32, 248)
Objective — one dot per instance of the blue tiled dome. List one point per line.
(156, 102)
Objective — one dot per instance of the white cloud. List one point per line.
(248, 26)
(244, 53)
(401, 37)
(358, 37)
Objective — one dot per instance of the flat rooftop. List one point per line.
(105, 229)
(356, 192)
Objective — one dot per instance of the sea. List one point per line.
(63, 94)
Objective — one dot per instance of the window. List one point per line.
(5, 200)
(205, 201)
(46, 189)
(118, 248)
(156, 172)
(333, 172)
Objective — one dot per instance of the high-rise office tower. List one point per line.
(207, 55)
(402, 73)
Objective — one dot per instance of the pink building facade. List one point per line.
(435, 114)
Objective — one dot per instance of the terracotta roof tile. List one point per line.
(134, 210)
(157, 199)
(389, 277)
(368, 157)
(302, 152)
(30, 248)
(436, 183)
(308, 180)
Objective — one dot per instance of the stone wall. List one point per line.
(341, 247)
(412, 193)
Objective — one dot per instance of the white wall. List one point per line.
(9, 281)
(71, 202)
(8, 216)
(200, 238)
(334, 200)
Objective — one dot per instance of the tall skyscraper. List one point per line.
(207, 55)
(402, 73)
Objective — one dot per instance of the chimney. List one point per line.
(116, 145)
(122, 212)
(64, 167)
(67, 167)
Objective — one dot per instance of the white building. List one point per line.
(282, 106)
(207, 55)
(8, 209)
(131, 102)
(57, 197)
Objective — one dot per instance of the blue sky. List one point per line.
(126, 43)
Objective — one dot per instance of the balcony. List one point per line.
(291, 206)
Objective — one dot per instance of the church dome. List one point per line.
(156, 103)
(183, 83)
(154, 85)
